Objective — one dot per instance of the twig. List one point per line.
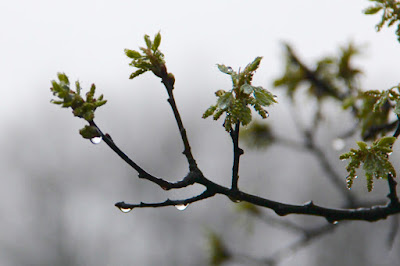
(237, 152)
(188, 180)
(168, 202)
(312, 77)
(169, 85)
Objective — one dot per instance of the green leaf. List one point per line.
(386, 141)
(375, 160)
(209, 111)
(137, 73)
(245, 116)
(157, 41)
(225, 100)
(372, 10)
(263, 97)
(132, 54)
(89, 132)
(253, 65)
(225, 69)
(362, 145)
(63, 78)
(148, 41)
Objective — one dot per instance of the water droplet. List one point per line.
(96, 140)
(181, 207)
(335, 222)
(338, 144)
(125, 210)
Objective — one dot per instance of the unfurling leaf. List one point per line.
(89, 132)
(236, 102)
(225, 100)
(148, 41)
(157, 41)
(375, 160)
(132, 54)
(263, 97)
(137, 73)
(83, 108)
(225, 69)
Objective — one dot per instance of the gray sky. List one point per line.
(86, 39)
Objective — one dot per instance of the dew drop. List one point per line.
(125, 210)
(95, 140)
(181, 207)
(338, 144)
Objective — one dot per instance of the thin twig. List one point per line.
(237, 152)
(168, 202)
(188, 180)
(171, 100)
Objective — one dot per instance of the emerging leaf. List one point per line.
(375, 160)
(225, 69)
(157, 41)
(132, 54)
(89, 132)
(83, 108)
(235, 103)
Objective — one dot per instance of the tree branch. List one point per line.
(188, 180)
(313, 77)
(237, 152)
(125, 206)
(169, 85)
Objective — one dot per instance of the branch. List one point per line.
(370, 214)
(188, 180)
(382, 128)
(237, 152)
(313, 77)
(169, 85)
(125, 207)
(394, 200)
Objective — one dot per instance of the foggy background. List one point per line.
(58, 190)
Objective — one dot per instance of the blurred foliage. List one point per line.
(248, 208)
(83, 108)
(257, 135)
(333, 77)
(375, 159)
(235, 102)
(218, 251)
(391, 13)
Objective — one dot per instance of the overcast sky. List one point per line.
(86, 40)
